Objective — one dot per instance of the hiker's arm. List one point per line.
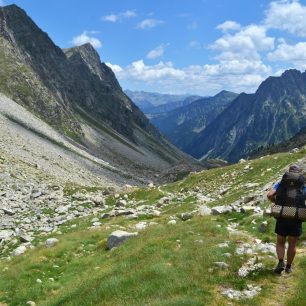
(271, 195)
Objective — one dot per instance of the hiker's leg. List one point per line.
(292, 241)
(280, 246)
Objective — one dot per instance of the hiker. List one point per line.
(291, 228)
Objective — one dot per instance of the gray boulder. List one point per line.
(19, 251)
(4, 234)
(51, 242)
(217, 210)
(118, 237)
(204, 210)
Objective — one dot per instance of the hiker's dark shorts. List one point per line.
(288, 227)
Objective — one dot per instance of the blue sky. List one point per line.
(181, 46)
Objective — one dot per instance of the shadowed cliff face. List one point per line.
(273, 114)
(74, 92)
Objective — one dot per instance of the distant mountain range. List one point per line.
(155, 103)
(79, 96)
(182, 125)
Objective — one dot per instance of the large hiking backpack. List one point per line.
(290, 199)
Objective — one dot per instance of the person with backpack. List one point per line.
(288, 192)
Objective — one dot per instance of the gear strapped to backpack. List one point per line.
(290, 199)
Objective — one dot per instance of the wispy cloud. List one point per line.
(149, 23)
(84, 38)
(156, 52)
(2, 3)
(120, 16)
(228, 25)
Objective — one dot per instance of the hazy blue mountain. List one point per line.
(182, 125)
(150, 102)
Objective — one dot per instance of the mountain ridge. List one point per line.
(274, 113)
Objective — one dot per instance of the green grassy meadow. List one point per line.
(165, 264)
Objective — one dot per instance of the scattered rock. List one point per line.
(248, 293)
(8, 211)
(98, 200)
(263, 227)
(51, 242)
(204, 210)
(19, 251)
(221, 264)
(96, 224)
(141, 226)
(251, 185)
(121, 203)
(250, 267)
(223, 245)
(217, 210)
(172, 222)
(5, 234)
(31, 303)
(25, 238)
(185, 216)
(118, 237)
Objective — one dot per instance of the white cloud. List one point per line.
(157, 52)
(129, 14)
(2, 3)
(228, 25)
(85, 38)
(120, 16)
(111, 18)
(235, 75)
(149, 23)
(288, 15)
(244, 44)
(295, 54)
(116, 68)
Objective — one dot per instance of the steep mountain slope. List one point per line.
(79, 96)
(273, 114)
(183, 124)
(295, 142)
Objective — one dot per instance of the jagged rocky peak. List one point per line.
(87, 54)
(19, 29)
(291, 79)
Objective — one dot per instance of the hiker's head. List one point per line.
(294, 168)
